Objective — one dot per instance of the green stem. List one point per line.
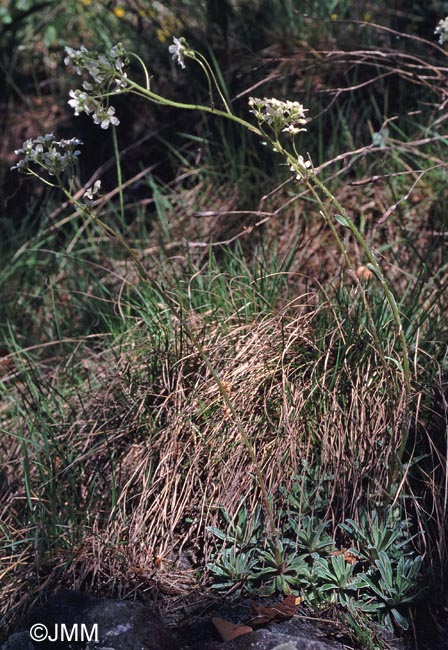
(41, 178)
(310, 181)
(205, 65)
(145, 70)
(209, 82)
(149, 94)
(119, 174)
(349, 265)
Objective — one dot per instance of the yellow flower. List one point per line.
(367, 17)
(334, 16)
(119, 12)
(86, 3)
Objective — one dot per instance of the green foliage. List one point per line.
(242, 531)
(282, 568)
(390, 585)
(302, 557)
(336, 576)
(42, 305)
(233, 569)
(311, 538)
(378, 533)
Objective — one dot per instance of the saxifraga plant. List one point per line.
(53, 161)
(377, 533)
(379, 585)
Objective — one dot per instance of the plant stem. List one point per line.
(158, 99)
(119, 174)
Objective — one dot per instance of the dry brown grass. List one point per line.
(151, 424)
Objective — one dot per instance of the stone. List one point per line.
(120, 625)
(126, 625)
(270, 640)
(293, 634)
(19, 641)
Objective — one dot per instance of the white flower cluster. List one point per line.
(83, 102)
(106, 78)
(288, 116)
(442, 30)
(55, 156)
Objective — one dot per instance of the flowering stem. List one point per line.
(207, 76)
(349, 265)
(119, 174)
(158, 99)
(145, 70)
(41, 178)
(312, 182)
(373, 328)
(205, 65)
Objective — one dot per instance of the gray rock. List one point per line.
(270, 640)
(19, 641)
(293, 634)
(101, 624)
(125, 625)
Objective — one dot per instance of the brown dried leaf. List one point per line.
(7, 364)
(348, 557)
(263, 614)
(228, 630)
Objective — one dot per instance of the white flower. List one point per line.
(177, 50)
(91, 192)
(293, 129)
(81, 101)
(76, 58)
(105, 117)
(27, 148)
(442, 30)
(122, 82)
(76, 100)
(300, 167)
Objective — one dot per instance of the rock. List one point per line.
(125, 625)
(100, 624)
(294, 634)
(19, 641)
(269, 640)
